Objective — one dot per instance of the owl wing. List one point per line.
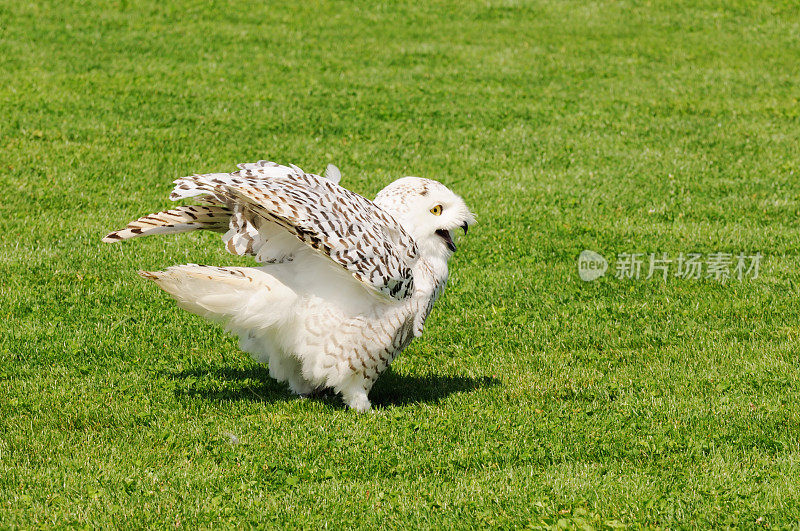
(273, 208)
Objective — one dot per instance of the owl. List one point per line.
(343, 283)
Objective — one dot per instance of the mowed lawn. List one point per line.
(533, 399)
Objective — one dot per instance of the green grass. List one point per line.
(533, 398)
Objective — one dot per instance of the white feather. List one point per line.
(332, 173)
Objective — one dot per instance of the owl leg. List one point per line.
(287, 368)
(318, 392)
(301, 386)
(354, 393)
(298, 384)
(358, 401)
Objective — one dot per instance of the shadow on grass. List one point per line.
(228, 384)
(394, 389)
(255, 384)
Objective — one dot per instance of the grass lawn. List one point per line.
(534, 398)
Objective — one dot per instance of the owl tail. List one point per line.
(241, 298)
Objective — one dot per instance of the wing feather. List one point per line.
(176, 220)
(347, 228)
(271, 211)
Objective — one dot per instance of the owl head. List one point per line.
(428, 211)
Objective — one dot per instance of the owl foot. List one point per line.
(357, 400)
(316, 393)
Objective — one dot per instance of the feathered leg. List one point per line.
(355, 393)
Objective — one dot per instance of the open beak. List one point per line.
(448, 240)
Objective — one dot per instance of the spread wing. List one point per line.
(272, 209)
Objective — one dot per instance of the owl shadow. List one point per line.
(393, 389)
(226, 384)
(255, 384)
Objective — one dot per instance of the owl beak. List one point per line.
(448, 240)
(465, 227)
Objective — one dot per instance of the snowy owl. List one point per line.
(344, 283)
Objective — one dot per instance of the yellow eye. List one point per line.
(437, 210)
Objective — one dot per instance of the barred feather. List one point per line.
(347, 228)
(174, 221)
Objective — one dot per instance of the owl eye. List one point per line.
(437, 210)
